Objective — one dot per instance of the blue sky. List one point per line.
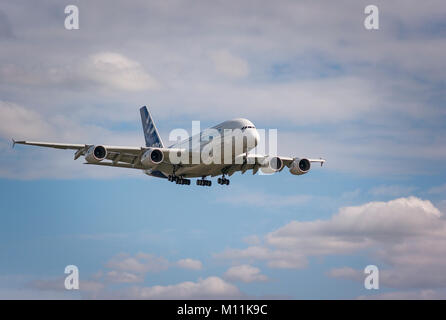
(370, 102)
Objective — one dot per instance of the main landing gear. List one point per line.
(204, 182)
(178, 180)
(200, 182)
(223, 181)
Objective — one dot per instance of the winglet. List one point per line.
(13, 143)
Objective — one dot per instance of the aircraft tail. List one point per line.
(151, 135)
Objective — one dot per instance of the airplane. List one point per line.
(174, 163)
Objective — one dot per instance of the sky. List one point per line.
(370, 102)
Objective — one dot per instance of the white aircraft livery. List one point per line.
(218, 151)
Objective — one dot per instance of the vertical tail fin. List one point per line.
(151, 135)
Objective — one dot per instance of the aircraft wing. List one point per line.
(51, 145)
(255, 158)
(254, 162)
(129, 155)
(287, 161)
(119, 156)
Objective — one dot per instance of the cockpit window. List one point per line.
(247, 127)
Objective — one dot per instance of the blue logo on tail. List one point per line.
(150, 133)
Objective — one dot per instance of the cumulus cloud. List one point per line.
(208, 288)
(406, 234)
(244, 273)
(190, 264)
(117, 72)
(18, 121)
(125, 269)
(110, 71)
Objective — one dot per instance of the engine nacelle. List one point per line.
(300, 166)
(96, 154)
(271, 165)
(152, 157)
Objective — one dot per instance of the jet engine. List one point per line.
(300, 166)
(152, 157)
(271, 165)
(96, 154)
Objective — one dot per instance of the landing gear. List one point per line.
(178, 180)
(223, 181)
(204, 182)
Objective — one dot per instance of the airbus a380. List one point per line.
(227, 146)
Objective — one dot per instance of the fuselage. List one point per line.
(230, 138)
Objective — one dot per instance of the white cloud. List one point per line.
(244, 273)
(208, 288)
(18, 121)
(190, 264)
(115, 71)
(406, 234)
(230, 65)
(128, 269)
